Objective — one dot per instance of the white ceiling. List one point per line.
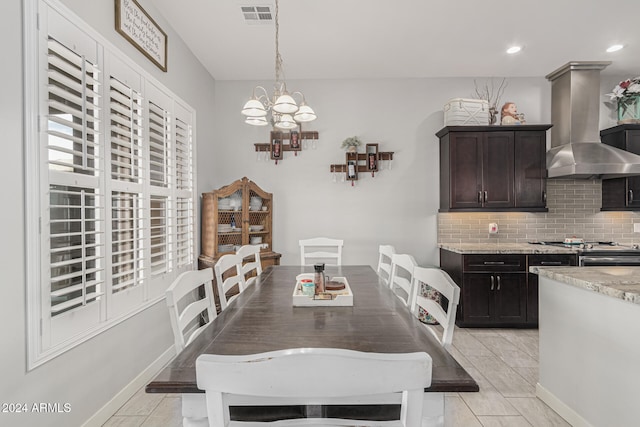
(360, 39)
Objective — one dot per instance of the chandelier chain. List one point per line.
(279, 71)
(285, 112)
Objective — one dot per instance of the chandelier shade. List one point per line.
(304, 114)
(283, 108)
(256, 121)
(285, 104)
(254, 108)
(285, 121)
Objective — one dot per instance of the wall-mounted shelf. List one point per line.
(342, 167)
(277, 145)
(356, 163)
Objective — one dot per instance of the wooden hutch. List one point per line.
(237, 214)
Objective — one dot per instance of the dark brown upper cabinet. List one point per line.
(493, 168)
(622, 194)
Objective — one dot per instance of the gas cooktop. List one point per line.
(584, 246)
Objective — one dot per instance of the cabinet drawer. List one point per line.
(494, 263)
(551, 260)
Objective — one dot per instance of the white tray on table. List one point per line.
(342, 298)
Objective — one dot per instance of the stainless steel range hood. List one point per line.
(576, 150)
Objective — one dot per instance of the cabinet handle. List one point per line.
(493, 263)
(630, 196)
(492, 282)
(485, 197)
(551, 263)
(479, 196)
(498, 282)
(544, 197)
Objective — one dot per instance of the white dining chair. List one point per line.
(228, 271)
(315, 376)
(191, 305)
(441, 282)
(321, 249)
(401, 280)
(253, 266)
(384, 262)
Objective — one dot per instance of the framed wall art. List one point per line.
(372, 157)
(294, 141)
(352, 166)
(135, 25)
(276, 149)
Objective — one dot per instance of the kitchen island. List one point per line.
(589, 329)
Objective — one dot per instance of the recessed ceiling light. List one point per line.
(514, 49)
(614, 48)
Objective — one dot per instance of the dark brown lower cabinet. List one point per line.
(496, 298)
(496, 290)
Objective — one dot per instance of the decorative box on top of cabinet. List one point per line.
(622, 194)
(493, 168)
(250, 209)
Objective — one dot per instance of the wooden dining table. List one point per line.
(263, 318)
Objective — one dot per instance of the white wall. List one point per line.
(398, 206)
(88, 376)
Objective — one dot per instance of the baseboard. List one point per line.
(569, 415)
(112, 406)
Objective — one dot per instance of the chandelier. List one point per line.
(285, 112)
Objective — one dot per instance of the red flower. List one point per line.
(625, 84)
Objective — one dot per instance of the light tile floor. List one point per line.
(504, 362)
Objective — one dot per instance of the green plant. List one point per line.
(352, 141)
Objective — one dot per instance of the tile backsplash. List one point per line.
(574, 210)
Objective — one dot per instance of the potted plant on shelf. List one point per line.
(627, 95)
(351, 144)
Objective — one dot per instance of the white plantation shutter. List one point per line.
(76, 248)
(161, 180)
(113, 225)
(184, 161)
(125, 116)
(159, 145)
(127, 241)
(160, 232)
(128, 216)
(74, 220)
(184, 188)
(184, 231)
(73, 111)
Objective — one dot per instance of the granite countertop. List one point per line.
(504, 248)
(616, 282)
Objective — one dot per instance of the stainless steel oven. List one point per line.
(602, 253)
(586, 259)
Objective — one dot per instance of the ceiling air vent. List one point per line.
(257, 14)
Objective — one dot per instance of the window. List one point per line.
(113, 222)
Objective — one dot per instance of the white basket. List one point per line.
(466, 112)
(342, 298)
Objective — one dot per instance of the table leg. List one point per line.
(433, 410)
(194, 410)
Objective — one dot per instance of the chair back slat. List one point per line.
(401, 280)
(191, 305)
(440, 281)
(228, 271)
(296, 375)
(251, 267)
(384, 262)
(321, 249)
